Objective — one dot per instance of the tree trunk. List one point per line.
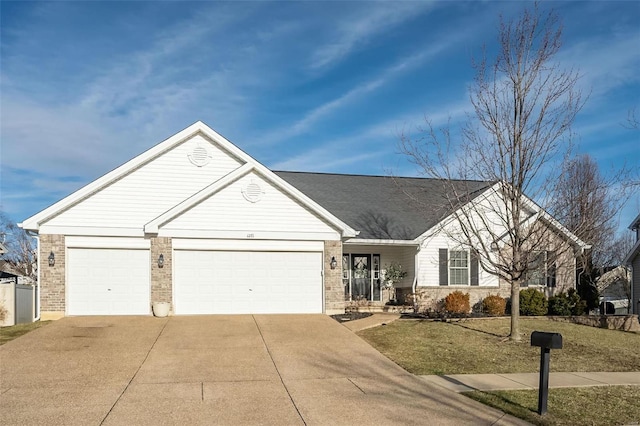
(515, 311)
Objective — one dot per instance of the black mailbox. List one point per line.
(546, 340)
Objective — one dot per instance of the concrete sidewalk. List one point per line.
(490, 382)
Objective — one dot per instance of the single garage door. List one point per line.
(108, 281)
(247, 282)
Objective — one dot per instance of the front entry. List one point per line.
(361, 276)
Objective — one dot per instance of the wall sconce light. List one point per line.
(333, 263)
(161, 261)
(52, 259)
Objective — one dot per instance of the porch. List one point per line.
(364, 265)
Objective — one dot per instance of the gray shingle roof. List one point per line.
(382, 207)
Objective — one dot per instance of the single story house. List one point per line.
(196, 222)
(633, 260)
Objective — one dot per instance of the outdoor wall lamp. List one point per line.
(161, 261)
(333, 262)
(52, 259)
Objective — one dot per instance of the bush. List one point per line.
(566, 304)
(559, 305)
(494, 305)
(457, 303)
(533, 302)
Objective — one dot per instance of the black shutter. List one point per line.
(444, 267)
(474, 268)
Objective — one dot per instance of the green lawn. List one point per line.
(603, 405)
(482, 346)
(9, 333)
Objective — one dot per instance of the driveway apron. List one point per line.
(202, 370)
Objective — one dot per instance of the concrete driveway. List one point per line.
(260, 369)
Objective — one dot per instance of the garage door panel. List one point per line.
(108, 282)
(236, 282)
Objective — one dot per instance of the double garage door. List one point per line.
(117, 282)
(242, 282)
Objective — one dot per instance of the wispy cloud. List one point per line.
(353, 31)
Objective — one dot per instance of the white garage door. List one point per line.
(246, 282)
(108, 282)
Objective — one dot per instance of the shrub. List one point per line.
(567, 304)
(533, 302)
(457, 303)
(559, 305)
(494, 305)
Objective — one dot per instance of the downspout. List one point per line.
(416, 269)
(37, 299)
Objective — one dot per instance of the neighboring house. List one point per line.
(197, 222)
(633, 260)
(613, 288)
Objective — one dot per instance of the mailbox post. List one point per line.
(546, 342)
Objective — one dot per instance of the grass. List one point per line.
(604, 405)
(481, 346)
(14, 331)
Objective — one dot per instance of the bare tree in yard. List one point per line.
(587, 203)
(21, 255)
(524, 105)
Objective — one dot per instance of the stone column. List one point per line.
(52, 278)
(161, 277)
(333, 288)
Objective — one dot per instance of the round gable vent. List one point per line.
(200, 156)
(252, 192)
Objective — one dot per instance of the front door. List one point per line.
(361, 276)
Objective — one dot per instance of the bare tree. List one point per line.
(21, 255)
(588, 204)
(523, 107)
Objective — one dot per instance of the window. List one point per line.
(542, 269)
(458, 267)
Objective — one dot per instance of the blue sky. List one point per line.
(313, 86)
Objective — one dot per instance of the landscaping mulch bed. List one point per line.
(350, 316)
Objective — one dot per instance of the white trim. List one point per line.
(249, 235)
(537, 213)
(379, 242)
(34, 222)
(107, 243)
(632, 254)
(153, 226)
(91, 230)
(247, 245)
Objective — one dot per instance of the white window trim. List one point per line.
(468, 268)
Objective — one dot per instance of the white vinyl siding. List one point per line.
(228, 210)
(429, 263)
(150, 190)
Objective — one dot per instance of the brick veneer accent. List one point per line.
(52, 278)
(333, 288)
(161, 278)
